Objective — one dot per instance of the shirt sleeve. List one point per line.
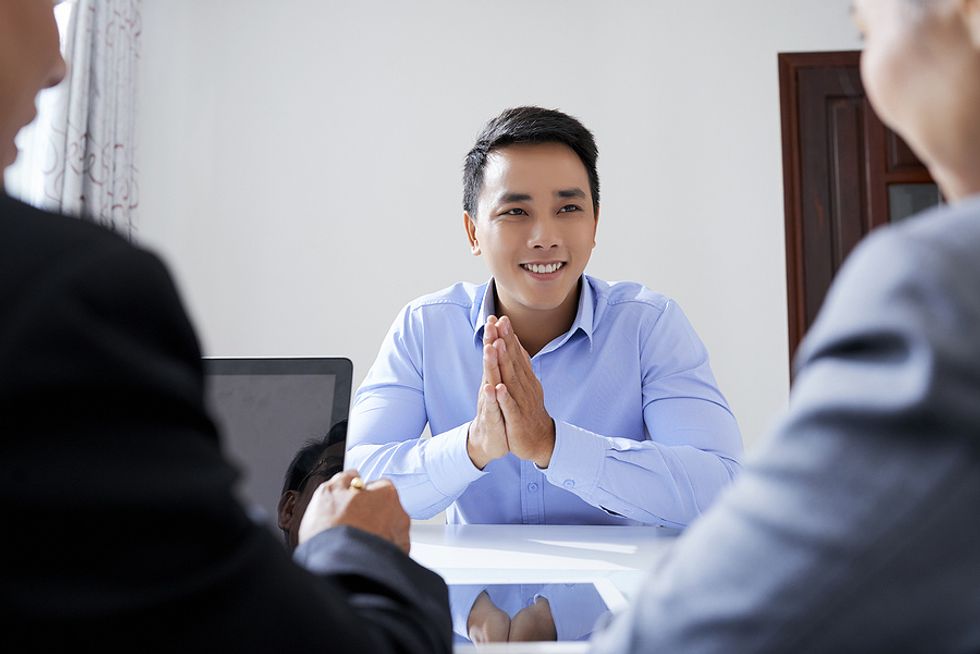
(384, 436)
(693, 443)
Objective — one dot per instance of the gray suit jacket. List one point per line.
(856, 526)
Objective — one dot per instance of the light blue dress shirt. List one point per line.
(643, 435)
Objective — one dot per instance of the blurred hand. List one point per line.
(534, 623)
(530, 429)
(487, 439)
(487, 623)
(375, 509)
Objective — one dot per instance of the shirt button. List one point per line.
(569, 483)
(532, 487)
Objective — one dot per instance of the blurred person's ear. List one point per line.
(287, 507)
(971, 18)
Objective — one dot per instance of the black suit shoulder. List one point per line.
(125, 529)
(85, 314)
(36, 245)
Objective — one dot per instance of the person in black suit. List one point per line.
(121, 530)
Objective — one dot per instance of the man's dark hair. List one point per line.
(314, 456)
(528, 125)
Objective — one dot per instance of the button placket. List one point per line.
(534, 493)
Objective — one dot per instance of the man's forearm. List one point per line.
(641, 480)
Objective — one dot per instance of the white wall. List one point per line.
(301, 158)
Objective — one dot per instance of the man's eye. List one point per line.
(568, 208)
(516, 211)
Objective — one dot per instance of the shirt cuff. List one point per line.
(577, 459)
(447, 462)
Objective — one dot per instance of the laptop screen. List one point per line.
(267, 409)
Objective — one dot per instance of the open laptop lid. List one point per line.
(267, 408)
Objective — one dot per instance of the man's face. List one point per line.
(292, 506)
(920, 70)
(535, 224)
(293, 503)
(30, 60)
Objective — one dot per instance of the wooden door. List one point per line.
(844, 174)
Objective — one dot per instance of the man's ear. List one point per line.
(470, 224)
(970, 10)
(287, 505)
(595, 226)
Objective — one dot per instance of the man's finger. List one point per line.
(522, 354)
(514, 347)
(518, 380)
(522, 360)
(493, 415)
(506, 331)
(490, 331)
(380, 484)
(491, 409)
(510, 412)
(508, 371)
(508, 407)
(491, 366)
(343, 479)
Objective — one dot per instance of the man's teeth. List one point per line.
(542, 268)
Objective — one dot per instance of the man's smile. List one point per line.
(543, 268)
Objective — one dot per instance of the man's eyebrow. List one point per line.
(514, 197)
(570, 193)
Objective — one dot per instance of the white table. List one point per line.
(476, 554)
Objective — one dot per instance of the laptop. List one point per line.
(268, 408)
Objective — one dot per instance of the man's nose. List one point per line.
(57, 73)
(545, 234)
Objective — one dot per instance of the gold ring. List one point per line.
(357, 483)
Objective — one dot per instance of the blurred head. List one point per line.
(531, 203)
(30, 60)
(921, 70)
(316, 462)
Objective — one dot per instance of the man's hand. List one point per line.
(487, 439)
(529, 428)
(487, 623)
(534, 623)
(375, 509)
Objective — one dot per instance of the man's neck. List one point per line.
(537, 328)
(956, 185)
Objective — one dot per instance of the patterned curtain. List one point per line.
(91, 169)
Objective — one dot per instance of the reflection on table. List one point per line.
(544, 582)
(525, 612)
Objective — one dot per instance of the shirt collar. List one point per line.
(487, 308)
(584, 316)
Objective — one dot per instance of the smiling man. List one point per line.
(585, 402)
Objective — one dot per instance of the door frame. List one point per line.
(789, 66)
